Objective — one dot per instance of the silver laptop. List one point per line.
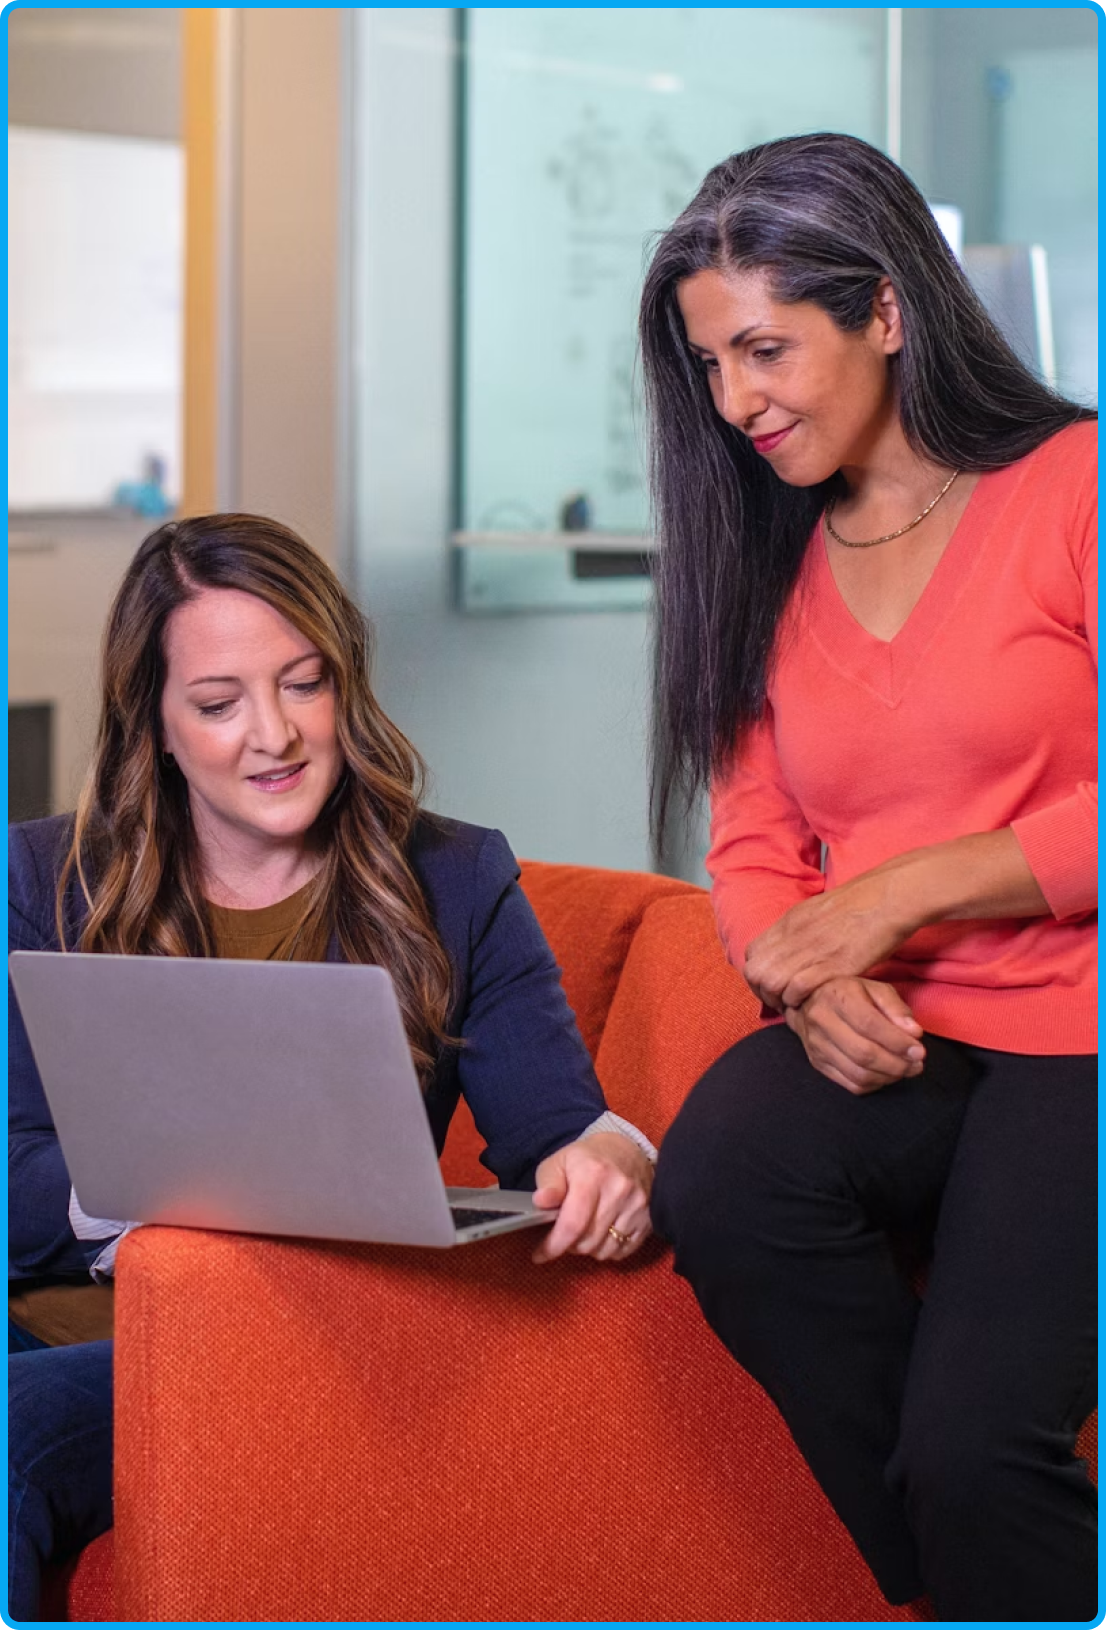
(262, 1097)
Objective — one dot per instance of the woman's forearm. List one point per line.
(854, 926)
(982, 875)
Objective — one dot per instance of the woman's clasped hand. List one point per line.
(809, 966)
(858, 1032)
(814, 964)
(844, 930)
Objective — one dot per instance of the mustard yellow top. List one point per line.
(264, 935)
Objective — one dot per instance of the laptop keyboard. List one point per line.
(469, 1216)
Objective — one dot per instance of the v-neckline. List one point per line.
(885, 666)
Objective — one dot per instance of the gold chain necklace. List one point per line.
(870, 543)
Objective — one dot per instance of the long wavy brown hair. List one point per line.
(134, 851)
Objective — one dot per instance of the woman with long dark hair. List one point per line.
(249, 798)
(876, 645)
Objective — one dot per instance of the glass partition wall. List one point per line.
(581, 137)
(513, 166)
(1000, 118)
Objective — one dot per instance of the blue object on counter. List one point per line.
(145, 497)
(576, 513)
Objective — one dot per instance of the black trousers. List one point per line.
(941, 1429)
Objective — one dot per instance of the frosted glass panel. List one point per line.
(1000, 118)
(586, 131)
(1048, 192)
(95, 228)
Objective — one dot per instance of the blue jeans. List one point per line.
(59, 1458)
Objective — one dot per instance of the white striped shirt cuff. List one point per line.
(90, 1228)
(610, 1122)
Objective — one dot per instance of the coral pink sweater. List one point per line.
(979, 714)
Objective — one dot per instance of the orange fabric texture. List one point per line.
(370, 1434)
(590, 917)
(678, 1007)
(343, 1432)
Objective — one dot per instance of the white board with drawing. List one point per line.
(586, 131)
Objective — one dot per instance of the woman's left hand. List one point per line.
(601, 1184)
(847, 930)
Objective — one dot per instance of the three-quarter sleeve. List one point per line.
(1060, 844)
(1060, 841)
(764, 858)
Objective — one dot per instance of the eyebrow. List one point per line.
(735, 339)
(232, 679)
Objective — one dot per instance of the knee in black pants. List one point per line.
(744, 1174)
(699, 1193)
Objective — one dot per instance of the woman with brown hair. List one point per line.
(249, 798)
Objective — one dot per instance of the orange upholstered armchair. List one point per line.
(330, 1432)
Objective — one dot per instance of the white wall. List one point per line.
(95, 263)
(534, 723)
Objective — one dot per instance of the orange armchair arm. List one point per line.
(319, 1432)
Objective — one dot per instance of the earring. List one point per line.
(167, 758)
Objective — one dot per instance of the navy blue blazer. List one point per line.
(524, 1069)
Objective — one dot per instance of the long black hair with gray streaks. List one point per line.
(827, 217)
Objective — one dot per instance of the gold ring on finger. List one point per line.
(623, 1239)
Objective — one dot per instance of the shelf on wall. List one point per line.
(553, 571)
